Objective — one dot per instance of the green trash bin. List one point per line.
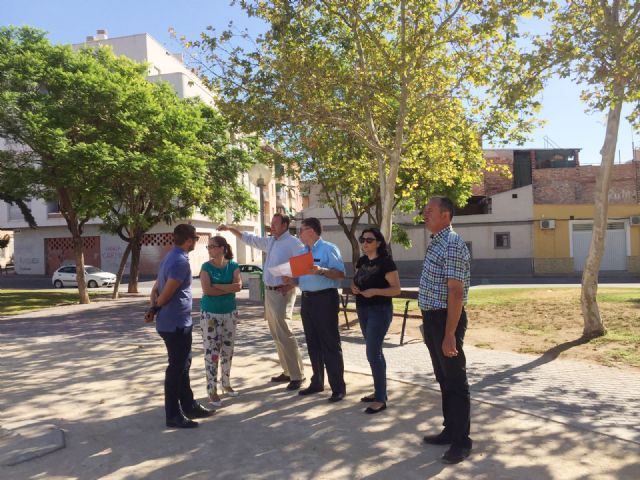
(256, 287)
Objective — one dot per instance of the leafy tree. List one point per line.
(347, 175)
(75, 111)
(393, 74)
(596, 43)
(183, 159)
(12, 190)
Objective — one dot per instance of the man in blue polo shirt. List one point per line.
(171, 301)
(319, 310)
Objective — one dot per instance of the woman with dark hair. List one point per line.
(376, 280)
(220, 279)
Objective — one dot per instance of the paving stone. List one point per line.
(26, 443)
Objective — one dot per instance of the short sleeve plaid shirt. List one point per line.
(447, 257)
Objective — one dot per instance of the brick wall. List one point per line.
(494, 181)
(577, 185)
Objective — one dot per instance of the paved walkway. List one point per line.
(584, 395)
(96, 371)
(580, 394)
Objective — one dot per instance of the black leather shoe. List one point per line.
(199, 411)
(455, 454)
(336, 397)
(310, 389)
(442, 438)
(281, 378)
(294, 385)
(371, 410)
(369, 398)
(180, 421)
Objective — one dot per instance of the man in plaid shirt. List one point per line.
(444, 285)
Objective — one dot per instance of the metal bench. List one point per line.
(409, 295)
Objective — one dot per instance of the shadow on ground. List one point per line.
(97, 373)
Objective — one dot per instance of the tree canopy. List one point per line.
(103, 142)
(414, 81)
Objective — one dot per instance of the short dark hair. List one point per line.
(313, 222)
(446, 205)
(183, 232)
(228, 252)
(283, 218)
(383, 250)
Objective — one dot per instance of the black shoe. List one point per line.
(281, 378)
(369, 398)
(294, 385)
(456, 454)
(198, 411)
(310, 389)
(443, 438)
(336, 397)
(375, 410)
(180, 421)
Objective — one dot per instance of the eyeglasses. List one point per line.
(304, 229)
(366, 239)
(212, 246)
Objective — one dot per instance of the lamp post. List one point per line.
(260, 176)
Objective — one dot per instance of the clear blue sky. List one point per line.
(70, 21)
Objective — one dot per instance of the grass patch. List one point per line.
(13, 302)
(534, 320)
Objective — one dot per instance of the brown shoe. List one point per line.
(281, 378)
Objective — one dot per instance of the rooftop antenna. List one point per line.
(548, 143)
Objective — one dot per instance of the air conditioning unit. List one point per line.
(547, 224)
(634, 220)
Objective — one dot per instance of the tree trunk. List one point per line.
(593, 324)
(79, 254)
(387, 194)
(136, 247)
(123, 263)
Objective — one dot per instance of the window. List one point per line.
(52, 207)
(502, 240)
(15, 213)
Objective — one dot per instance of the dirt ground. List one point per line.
(549, 321)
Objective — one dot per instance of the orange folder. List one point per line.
(301, 264)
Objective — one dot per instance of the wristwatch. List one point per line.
(154, 309)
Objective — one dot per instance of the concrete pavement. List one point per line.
(96, 371)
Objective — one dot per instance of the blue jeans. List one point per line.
(374, 323)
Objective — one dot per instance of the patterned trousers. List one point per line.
(218, 336)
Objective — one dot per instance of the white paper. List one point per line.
(282, 270)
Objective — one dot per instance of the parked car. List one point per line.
(65, 276)
(246, 271)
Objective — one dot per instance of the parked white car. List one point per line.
(246, 271)
(65, 276)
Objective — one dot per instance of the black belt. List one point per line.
(269, 287)
(318, 292)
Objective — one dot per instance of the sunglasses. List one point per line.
(195, 238)
(212, 246)
(366, 239)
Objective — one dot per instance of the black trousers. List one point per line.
(319, 311)
(451, 374)
(177, 388)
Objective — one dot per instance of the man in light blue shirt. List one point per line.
(319, 310)
(279, 297)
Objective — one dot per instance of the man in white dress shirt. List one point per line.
(279, 298)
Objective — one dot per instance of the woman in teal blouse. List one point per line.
(220, 278)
